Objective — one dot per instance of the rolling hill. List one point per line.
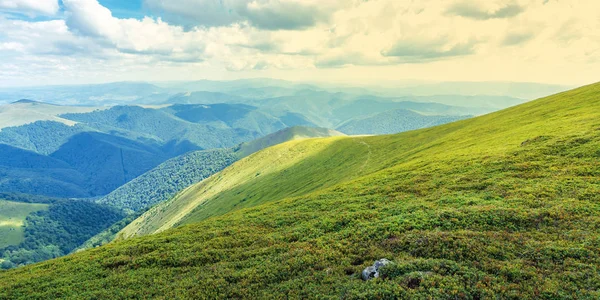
(163, 127)
(203, 97)
(229, 116)
(499, 206)
(330, 110)
(28, 111)
(327, 109)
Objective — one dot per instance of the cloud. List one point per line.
(263, 14)
(517, 38)
(40, 38)
(30, 7)
(11, 46)
(315, 39)
(478, 11)
(419, 50)
(90, 19)
(288, 15)
(342, 60)
(191, 13)
(353, 58)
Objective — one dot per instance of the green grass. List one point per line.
(503, 206)
(12, 220)
(170, 213)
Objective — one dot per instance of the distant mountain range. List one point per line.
(85, 152)
(127, 93)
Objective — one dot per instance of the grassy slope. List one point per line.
(503, 205)
(168, 214)
(12, 218)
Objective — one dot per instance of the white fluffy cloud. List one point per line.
(87, 18)
(520, 40)
(30, 7)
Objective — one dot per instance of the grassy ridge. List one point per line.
(170, 213)
(500, 206)
(167, 214)
(12, 220)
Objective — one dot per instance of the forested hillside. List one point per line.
(164, 181)
(394, 121)
(163, 127)
(43, 137)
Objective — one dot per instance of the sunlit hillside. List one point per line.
(500, 206)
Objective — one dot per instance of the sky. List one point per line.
(353, 41)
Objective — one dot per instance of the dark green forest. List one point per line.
(164, 181)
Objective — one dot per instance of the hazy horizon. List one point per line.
(340, 83)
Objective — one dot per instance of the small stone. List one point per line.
(380, 263)
(369, 273)
(373, 271)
